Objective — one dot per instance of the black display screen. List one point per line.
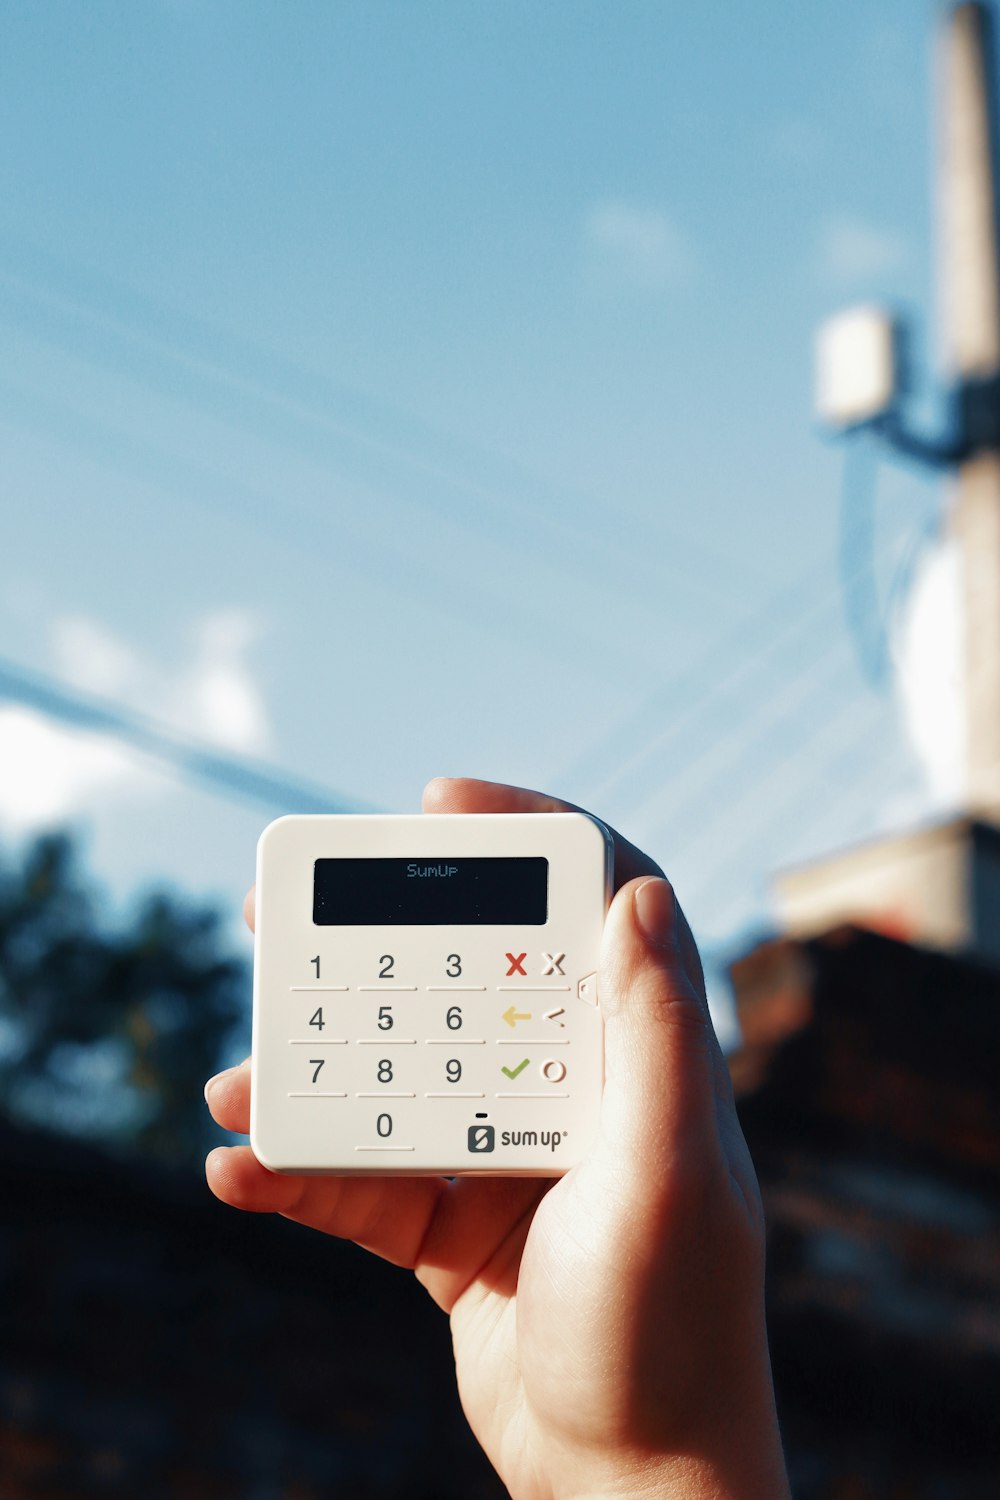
(453, 891)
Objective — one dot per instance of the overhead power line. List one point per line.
(257, 387)
(801, 783)
(705, 779)
(697, 685)
(635, 747)
(250, 780)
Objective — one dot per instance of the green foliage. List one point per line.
(110, 1034)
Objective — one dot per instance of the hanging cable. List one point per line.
(856, 557)
(252, 781)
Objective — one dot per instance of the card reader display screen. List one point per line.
(424, 892)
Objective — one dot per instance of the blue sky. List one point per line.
(394, 390)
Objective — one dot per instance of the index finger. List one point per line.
(461, 794)
(466, 794)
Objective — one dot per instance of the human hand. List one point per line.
(608, 1325)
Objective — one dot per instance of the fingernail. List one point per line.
(218, 1077)
(655, 910)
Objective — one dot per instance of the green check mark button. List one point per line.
(513, 1072)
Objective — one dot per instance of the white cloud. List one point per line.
(851, 250)
(928, 657)
(89, 657)
(50, 773)
(638, 247)
(217, 697)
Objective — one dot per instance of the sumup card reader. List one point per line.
(425, 993)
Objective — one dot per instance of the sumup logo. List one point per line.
(550, 1138)
(482, 1138)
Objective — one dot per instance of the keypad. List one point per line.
(369, 1058)
(384, 1044)
(373, 1057)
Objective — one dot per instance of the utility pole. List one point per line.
(860, 386)
(937, 885)
(970, 306)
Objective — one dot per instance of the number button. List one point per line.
(385, 1018)
(454, 968)
(386, 971)
(453, 1018)
(382, 1071)
(314, 1077)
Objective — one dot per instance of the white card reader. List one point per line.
(425, 993)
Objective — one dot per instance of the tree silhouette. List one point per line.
(110, 1034)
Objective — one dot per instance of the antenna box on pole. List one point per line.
(857, 366)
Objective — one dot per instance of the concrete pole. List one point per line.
(971, 309)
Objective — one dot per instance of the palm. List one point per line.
(510, 1321)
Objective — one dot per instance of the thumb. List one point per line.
(660, 1046)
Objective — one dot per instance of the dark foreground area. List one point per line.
(156, 1344)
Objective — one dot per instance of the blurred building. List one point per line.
(937, 886)
(867, 1076)
(867, 1090)
(155, 1344)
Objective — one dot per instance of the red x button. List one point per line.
(516, 964)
